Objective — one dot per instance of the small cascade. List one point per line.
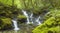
(37, 20)
(15, 25)
(31, 17)
(25, 13)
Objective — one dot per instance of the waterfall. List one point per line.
(25, 13)
(31, 17)
(38, 21)
(15, 25)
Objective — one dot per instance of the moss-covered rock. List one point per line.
(21, 18)
(5, 23)
(49, 26)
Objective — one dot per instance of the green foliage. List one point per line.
(52, 13)
(6, 2)
(9, 9)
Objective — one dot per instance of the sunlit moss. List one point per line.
(21, 16)
(49, 26)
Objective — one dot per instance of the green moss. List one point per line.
(6, 23)
(6, 20)
(49, 26)
(21, 16)
(55, 29)
(50, 21)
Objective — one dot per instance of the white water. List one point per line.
(37, 20)
(15, 25)
(25, 13)
(31, 16)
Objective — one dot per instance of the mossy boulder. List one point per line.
(49, 26)
(21, 18)
(5, 23)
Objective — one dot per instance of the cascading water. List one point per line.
(37, 20)
(25, 13)
(31, 17)
(15, 25)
